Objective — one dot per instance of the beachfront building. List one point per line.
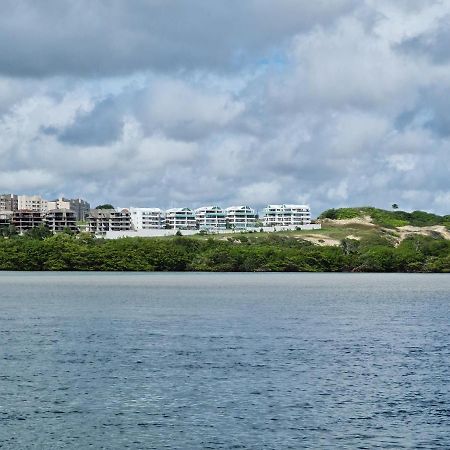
(9, 202)
(210, 218)
(181, 219)
(58, 220)
(32, 203)
(240, 217)
(147, 218)
(25, 220)
(102, 220)
(286, 215)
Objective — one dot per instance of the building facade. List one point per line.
(9, 202)
(80, 207)
(286, 215)
(24, 220)
(32, 203)
(102, 220)
(147, 218)
(5, 218)
(240, 217)
(181, 219)
(58, 220)
(57, 204)
(210, 218)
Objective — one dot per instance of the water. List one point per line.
(224, 361)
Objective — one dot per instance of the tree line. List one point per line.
(38, 251)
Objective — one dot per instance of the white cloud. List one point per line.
(339, 192)
(178, 108)
(402, 162)
(330, 103)
(27, 180)
(260, 193)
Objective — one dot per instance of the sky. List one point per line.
(187, 103)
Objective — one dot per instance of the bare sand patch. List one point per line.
(409, 230)
(365, 220)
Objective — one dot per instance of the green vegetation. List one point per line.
(358, 247)
(388, 219)
(105, 206)
(249, 253)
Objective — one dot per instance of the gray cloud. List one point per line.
(159, 104)
(120, 36)
(430, 111)
(101, 126)
(431, 44)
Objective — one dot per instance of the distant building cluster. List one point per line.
(29, 211)
(205, 218)
(25, 212)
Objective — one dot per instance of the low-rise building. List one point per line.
(147, 218)
(24, 220)
(181, 219)
(58, 220)
(286, 215)
(210, 218)
(240, 217)
(102, 220)
(9, 202)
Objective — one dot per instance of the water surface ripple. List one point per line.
(224, 361)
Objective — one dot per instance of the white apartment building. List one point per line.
(210, 218)
(58, 204)
(181, 219)
(32, 203)
(286, 215)
(147, 218)
(240, 217)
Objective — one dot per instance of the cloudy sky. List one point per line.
(172, 103)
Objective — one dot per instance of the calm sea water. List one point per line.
(224, 361)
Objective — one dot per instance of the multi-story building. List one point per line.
(5, 218)
(24, 220)
(80, 207)
(32, 203)
(240, 217)
(102, 220)
(287, 215)
(181, 219)
(210, 218)
(58, 220)
(58, 204)
(9, 202)
(147, 218)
